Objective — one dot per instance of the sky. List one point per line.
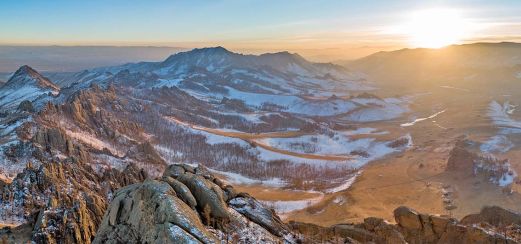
(320, 29)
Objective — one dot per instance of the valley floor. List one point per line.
(417, 177)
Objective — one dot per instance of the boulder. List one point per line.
(259, 214)
(182, 191)
(174, 170)
(407, 218)
(207, 194)
(150, 212)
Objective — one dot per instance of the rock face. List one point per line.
(151, 213)
(187, 205)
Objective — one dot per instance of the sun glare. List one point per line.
(435, 28)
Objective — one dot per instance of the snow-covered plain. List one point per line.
(234, 178)
(284, 207)
(361, 151)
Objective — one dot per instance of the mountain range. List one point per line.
(149, 151)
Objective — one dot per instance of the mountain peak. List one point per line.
(283, 54)
(218, 49)
(26, 70)
(201, 56)
(25, 74)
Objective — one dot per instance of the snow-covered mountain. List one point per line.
(208, 68)
(281, 80)
(25, 84)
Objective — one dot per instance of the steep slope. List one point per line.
(25, 84)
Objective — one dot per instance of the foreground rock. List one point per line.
(188, 205)
(491, 225)
(62, 202)
(151, 213)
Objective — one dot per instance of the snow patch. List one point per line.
(422, 119)
(497, 143)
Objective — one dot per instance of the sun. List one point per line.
(435, 28)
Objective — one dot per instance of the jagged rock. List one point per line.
(310, 233)
(351, 231)
(151, 213)
(70, 199)
(258, 213)
(385, 233)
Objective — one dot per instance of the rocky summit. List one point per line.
(188, 205)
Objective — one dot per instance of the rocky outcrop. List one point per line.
(495, 216)
(422, 228)
(151, 213)
(466, 163)
(26, 106)
(187, 205)
(256, 212)
(492, 225)
(63, 201)
(461, 159)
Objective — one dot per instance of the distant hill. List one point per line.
(468, 64)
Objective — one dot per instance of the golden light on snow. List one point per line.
(435, 28)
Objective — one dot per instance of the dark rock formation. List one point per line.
(460, 159)
(187, 206)
(151, 213)
(26, 106)
(67, 198)
(256, 212)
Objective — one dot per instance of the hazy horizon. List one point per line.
(319, 30)
(57, 58)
